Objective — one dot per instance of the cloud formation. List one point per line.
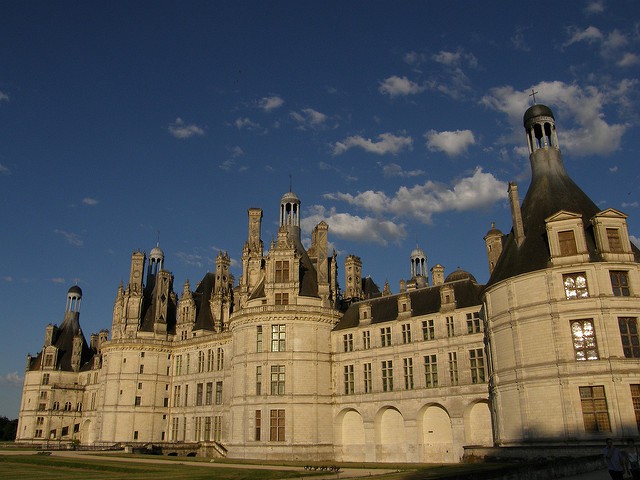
(474, 192)
(245, 124)
(90, 201)
(270, 103)
(179, 129)
(353, 227)
(4, 170)
(4, 97)
(395, 86)
(73, 238)
(581, 106)
(452, 143)
(12, 380)
(388, 143)
(395, 170)
(309, 118)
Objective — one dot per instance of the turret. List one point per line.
(353, 277)
(493, 243)
(290, 214)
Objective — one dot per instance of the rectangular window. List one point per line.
(209, 394)
(138, 401)
(276, 424)
(38, 433)
(613, 238)
(135, 435)
(282, 271)
(407, 365)
(387, 375)
(406, 333)
(207, 429)
(366, 340)
(176, 396)
(282, 299)
(178, 364)
(635, 398)
(48, 360)
(200, 361)
(199, 394)
(476, 362)
(428, 330)
(278, 338)
(575, 285)
(218, 393)
(209, 360)
(220, 359)
(174, 429)
(629, 336)
(385, 336)
(186, 395)
(45, 379)
(584, 339)
(453, 368)
(347, 340)
(277, 379)
(188, 363)
(594, 409)
(348, 380)
(430, 371)
(620, 283)
(258, 430)
(259, 338)
(258, 380)
(217, 428)
(141, 369)
(473, 322)
(367, 378)
(451, 327)
(567, 241)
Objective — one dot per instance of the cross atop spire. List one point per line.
(533, 94)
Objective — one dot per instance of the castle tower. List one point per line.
(290, 214)
(493, 243)
(555, 305)
(353, 277)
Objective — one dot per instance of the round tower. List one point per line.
(74, 298)
(156, 259)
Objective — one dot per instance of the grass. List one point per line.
(38, 467)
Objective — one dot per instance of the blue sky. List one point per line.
(400, 123)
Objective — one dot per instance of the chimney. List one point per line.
(516, 214)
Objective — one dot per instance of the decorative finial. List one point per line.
(533, 94)
(290, 182)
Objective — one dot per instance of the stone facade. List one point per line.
(283, 364)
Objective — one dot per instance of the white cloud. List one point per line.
(4, 97)
(309, 118)
(90, 201)
(270, 103)
(195, 259)
(474, 192)
(609, 43)
(395, 170)
(58, 280)
(455, 59)
(583, 107)
(7, 278)
(629, 60)
(72, 238)
(589, 35)
(635, 240)
(630, 205)
(354, 227)
(414, 58)
(389, 143)
(245, 123)
(399, 86)
(594, 7)
(4, 170)
(452, 143)
(12, 380)
(235, 151)
(179, 129)
(613, 169)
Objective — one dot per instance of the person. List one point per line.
(616, 460)
(633, 457)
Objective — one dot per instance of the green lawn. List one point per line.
(50, 467)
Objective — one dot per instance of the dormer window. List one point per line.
(282, 271)
(613, 239)
(612, 236)
(566, 236)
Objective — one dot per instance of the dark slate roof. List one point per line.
(424, 301)
(149, 308)
(63, 340)
(369, 288)
(308, 273)
(536, 111)
(202, 295)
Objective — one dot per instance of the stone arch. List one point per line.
(436, 434)
(478, 427)
(350, 435)
(391, 438)
(86, 433)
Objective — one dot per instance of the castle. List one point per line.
(286, 364)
